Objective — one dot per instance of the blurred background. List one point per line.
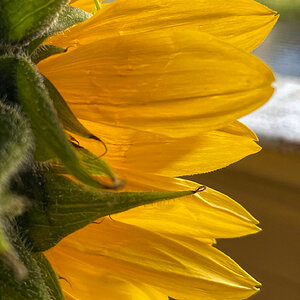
(268, 183)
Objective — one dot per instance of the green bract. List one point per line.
(35, 285)
(45, 51)
(63, 206)
(25, 20)
(66, 116)
(16, 142)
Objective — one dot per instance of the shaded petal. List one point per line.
(244, 23)
(208, 214)
(84, 281)
(172, 83)
(159, 154)
(182, 272)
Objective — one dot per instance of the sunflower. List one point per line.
(163, 84)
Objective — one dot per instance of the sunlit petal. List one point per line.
(159, 154)
(87, 5)
(182, 271)
(208, 214)
(173, 83)
(244, 23)
(84, 281)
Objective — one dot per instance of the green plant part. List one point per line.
(15, 145)
(38, 281)
(61, 206)
(25, 20)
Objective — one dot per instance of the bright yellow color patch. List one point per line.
(243, 23)
(207, 215)
(176, 83)
(158, 154)
(163, 83)
(189, 271)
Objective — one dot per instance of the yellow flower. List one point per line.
(163, 83)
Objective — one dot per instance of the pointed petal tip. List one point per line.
(256, 229)
(254, 220)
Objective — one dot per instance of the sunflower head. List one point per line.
(102, 108)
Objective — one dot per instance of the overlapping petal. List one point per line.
(90, 282)
(244, 23)
(173, 83)
(209, 214)
(158, 154)
(180, 271)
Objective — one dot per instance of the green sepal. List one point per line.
(67, 18)
(65, 115)
(11, 205)
(22, 84)
(93, 164)
(15, 142)
(15, 145)
(49, 276)
(9, 258)
(49, 137)
(97, 6)
(61, 206)
(31, 285)
(24, 20)
(8, 66)
(44, 51)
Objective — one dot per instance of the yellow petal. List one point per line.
(208, 214)
(244, 23)
(182, 272)
(172, 83)
(239, 129)
(93, 282)
(158, 154)
(87, 5)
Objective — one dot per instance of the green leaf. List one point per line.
(33, 286)
(45, 51)
(49, 276)
(65, 115)
(67, 18)
(49, 137)
(62, 206)
(24, 20)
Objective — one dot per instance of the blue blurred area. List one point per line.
(277, 123)
(281, 49)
